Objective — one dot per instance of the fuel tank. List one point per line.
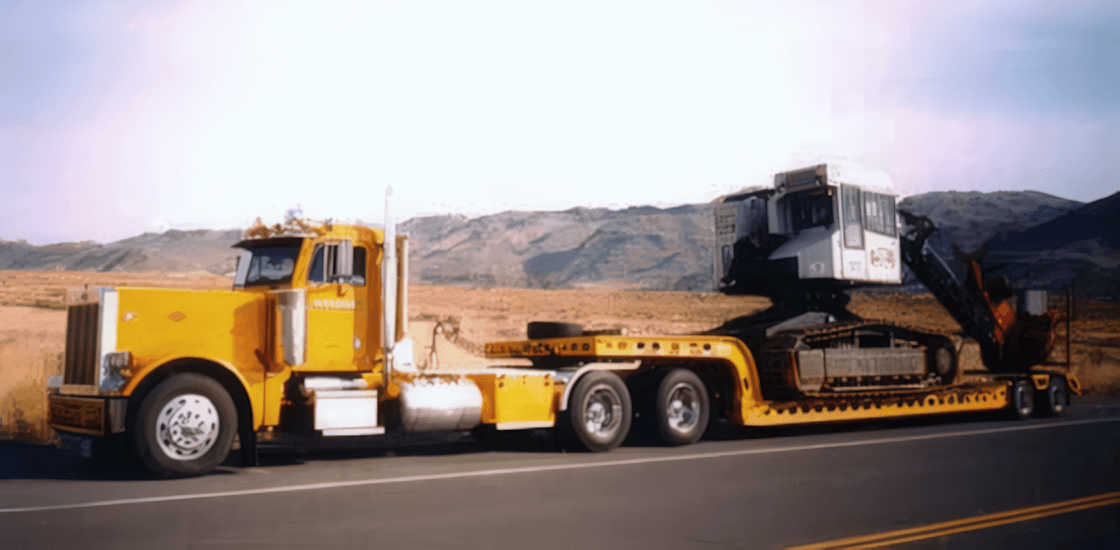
(430, 404)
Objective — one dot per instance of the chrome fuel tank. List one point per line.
(439, 404)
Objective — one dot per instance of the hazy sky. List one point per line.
(129, 116)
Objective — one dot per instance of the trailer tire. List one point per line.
(1022, 399)
(1057, 396)
(599, 412)
(678, 408)
(185, 426)
(550, 329)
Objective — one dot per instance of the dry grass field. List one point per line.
(32, 326)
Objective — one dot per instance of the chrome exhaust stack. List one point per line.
(389, 287)
(395, 342)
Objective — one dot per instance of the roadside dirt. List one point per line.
(48, 288)
(33, 321)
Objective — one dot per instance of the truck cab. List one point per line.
(327, 288)
(300, 346)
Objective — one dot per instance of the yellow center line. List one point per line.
(967, 524)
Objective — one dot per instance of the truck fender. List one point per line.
(176, 364)
(573, 379)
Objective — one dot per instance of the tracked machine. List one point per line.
(826, 229)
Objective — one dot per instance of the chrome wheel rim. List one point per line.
(1057, 399)
(1024, 398)
(602, 412)
(187, 426)
(683, 410)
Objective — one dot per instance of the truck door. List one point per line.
(337, 305)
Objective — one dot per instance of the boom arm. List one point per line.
(969, 311)
(1008, 343)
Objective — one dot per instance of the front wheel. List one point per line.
(185, 426)
(599, 411)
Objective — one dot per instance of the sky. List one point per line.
(129, 116)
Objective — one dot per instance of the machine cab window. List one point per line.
(810, 209)
(879, 214)
(853, 221)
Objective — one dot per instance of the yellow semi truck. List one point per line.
(311, 345)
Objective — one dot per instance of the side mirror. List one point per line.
(339, 262)
(345, 260)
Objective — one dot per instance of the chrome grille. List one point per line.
(81, 344)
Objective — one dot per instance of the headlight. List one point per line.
(115, 369)
(118, 359)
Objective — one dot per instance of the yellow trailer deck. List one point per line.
(735, 372)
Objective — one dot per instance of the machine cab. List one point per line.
(826, 224)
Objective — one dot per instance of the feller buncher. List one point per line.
(311, 346)
(828, 228)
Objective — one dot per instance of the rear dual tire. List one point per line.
(673, 407)
(599, 412)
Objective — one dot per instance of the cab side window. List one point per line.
(359, 276)
(325, 264)
(316, 275)
(879, 214)
(853, 222)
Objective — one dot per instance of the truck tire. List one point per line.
(680, 408)
(549, 329)
(1056, 397)
(599, 412)
(185, 426)
(1022, 399)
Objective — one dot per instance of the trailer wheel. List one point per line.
(185, 426)
(549, 329)
(1022, 399)
(1057, 396)
(674, 408)
(599, 412)
(680, 408)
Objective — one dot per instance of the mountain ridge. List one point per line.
(641, 247)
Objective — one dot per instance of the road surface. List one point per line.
(962, 482)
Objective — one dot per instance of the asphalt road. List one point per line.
(758, 490)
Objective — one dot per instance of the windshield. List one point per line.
(810, 209)
(266, 266)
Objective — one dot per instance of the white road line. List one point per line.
(554, 467)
